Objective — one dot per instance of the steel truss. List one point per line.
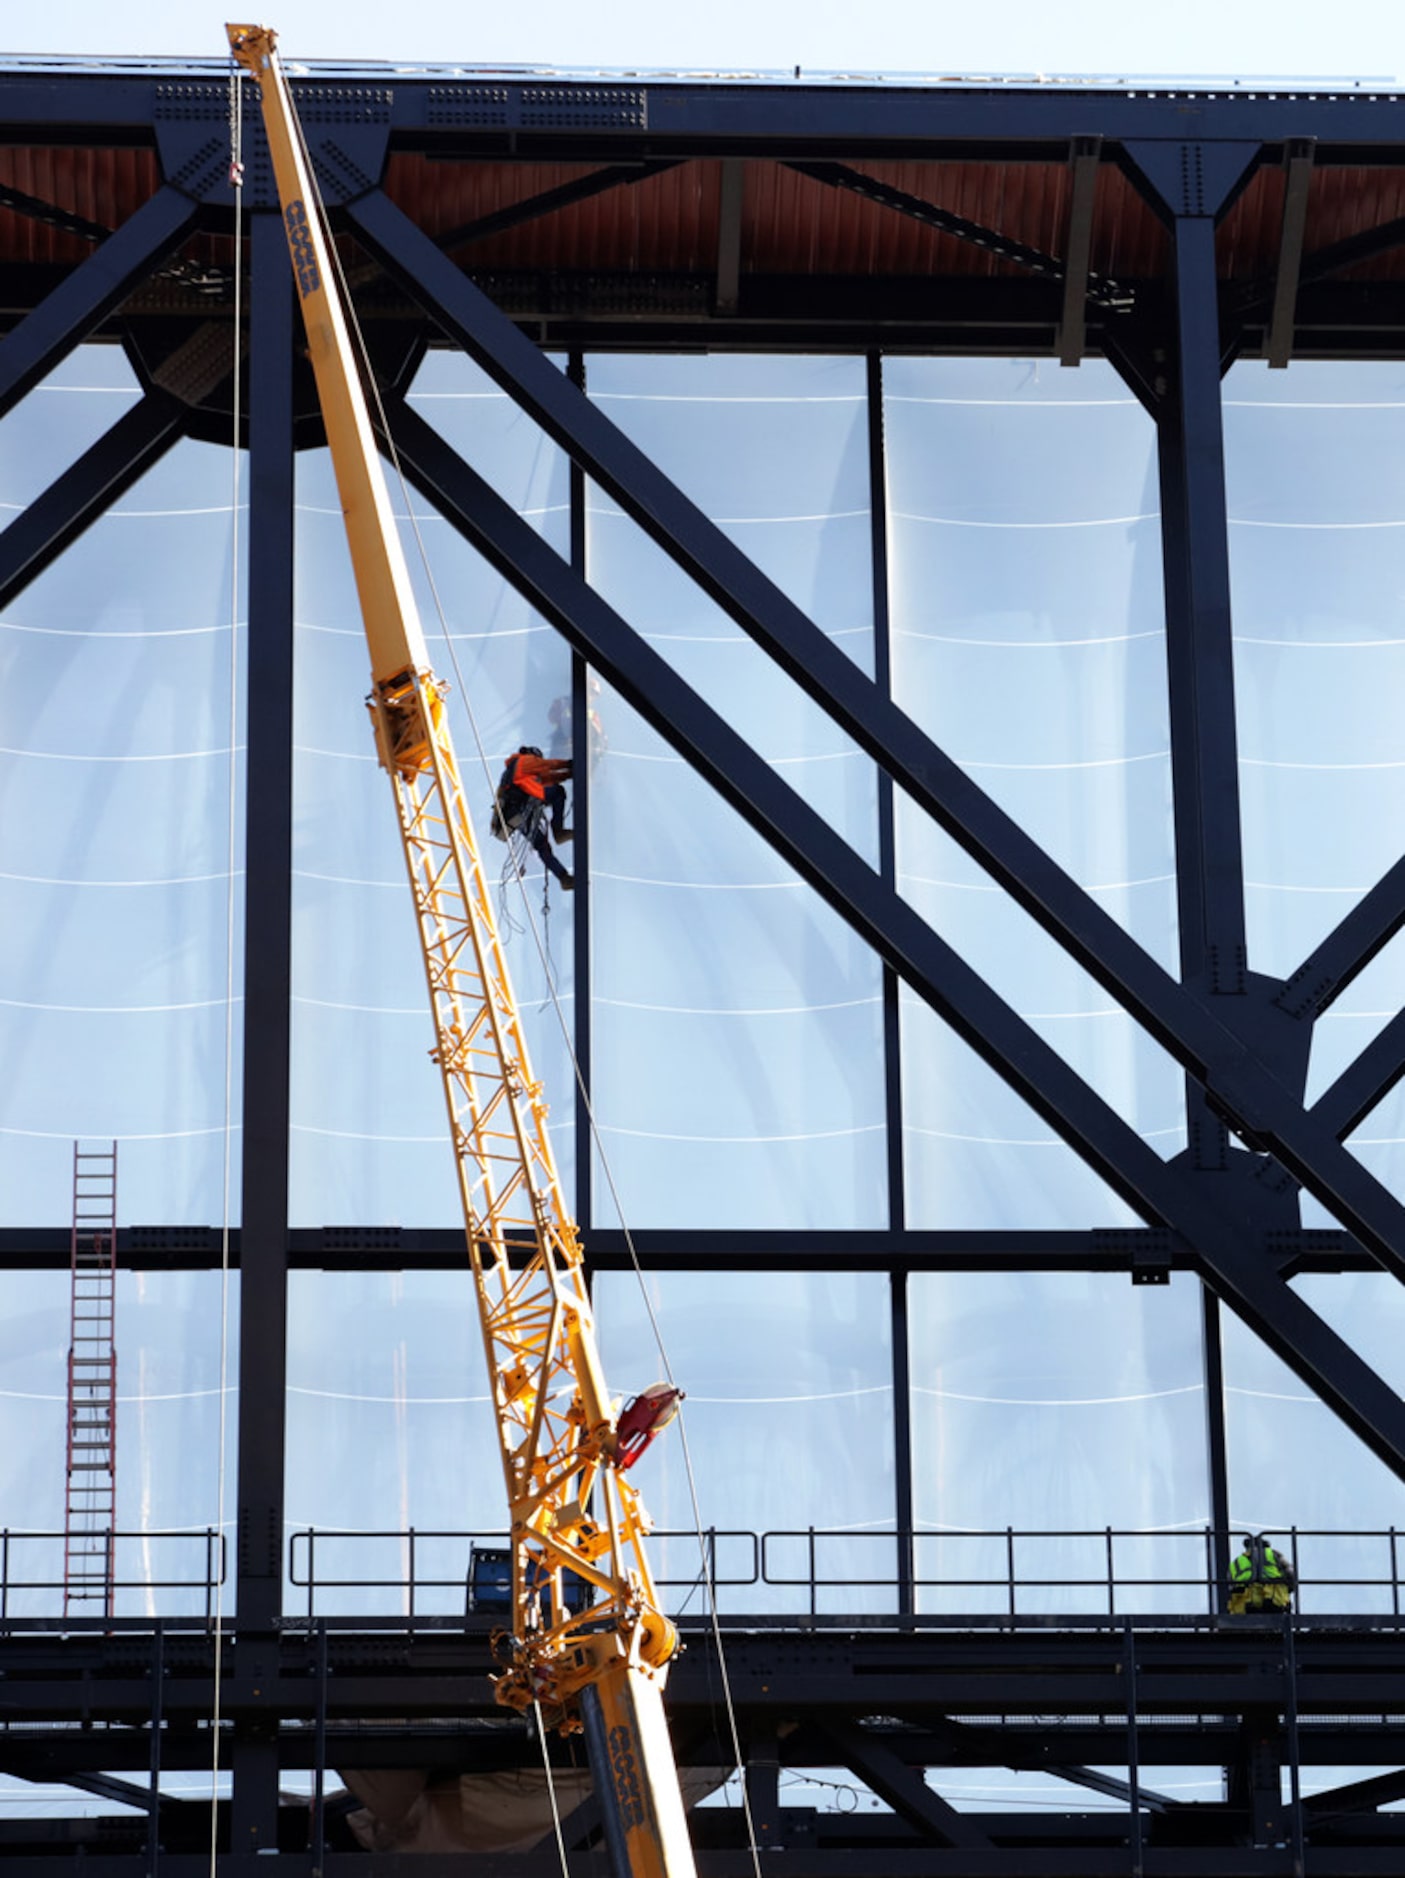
(886, 1704)
(883, 1706)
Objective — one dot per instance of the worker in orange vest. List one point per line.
(530, 790)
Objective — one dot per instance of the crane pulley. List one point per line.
(575, 1518)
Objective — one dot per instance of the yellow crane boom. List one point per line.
(572, 1510)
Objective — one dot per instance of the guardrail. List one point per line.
(818, 1571)
(810, 1571)
(191, 1565)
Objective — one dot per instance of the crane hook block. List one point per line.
(642, 1417)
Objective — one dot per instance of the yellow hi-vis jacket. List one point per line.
(1243, 1571)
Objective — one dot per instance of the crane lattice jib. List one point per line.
(572, 1511)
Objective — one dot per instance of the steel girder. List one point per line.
(906, 1711)
(445, 109)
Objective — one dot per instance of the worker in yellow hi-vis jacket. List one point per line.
(1261, 1579)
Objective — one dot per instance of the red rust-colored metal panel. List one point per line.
(1340, 203)
(791, 224)
(103, 186)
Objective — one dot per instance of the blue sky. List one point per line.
(1361, 38)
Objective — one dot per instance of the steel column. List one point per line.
(900, 1355)
(1216, 1447)
(583, 1028)
(1199, 651)
(267, 986)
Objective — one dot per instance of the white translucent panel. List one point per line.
(775, 452)
(169, 1330)
(1316, 500)
(1057, 1405)
(737, 1042)
(390, 1427)
(1379, 1144)
(495, 436)
(1107, 824)
(978, 1156)
(788, 1425)
(370, 1137)
(65, 413)
(1027, 612)
(1028, 641)
(1344, 1029)
(1315, 842)
(121, 789)
(1296, 1471)
(953, 1100)
(747, 979)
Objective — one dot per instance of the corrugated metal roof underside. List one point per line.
(790, 224)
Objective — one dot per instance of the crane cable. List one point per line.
(236, 177)
(372, 388)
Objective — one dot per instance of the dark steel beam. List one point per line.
(85, 297)
(1354, 249)
(1037, 1848)
(943, 1742)
(1356, 1796)
(1102, 291)
(614, 309)
(1298, 163)
(263, 1283)
(903, 1788)
(583, 1014)
(453, 110)
(1348, 949)
(884, 920)
(50, 215)
(1084, 161)
(887, 815)
(55, 519)
(1199, 649)
(1216, 1440)
(1365, 1082)
(549, 201)
(729, 234)
(267, 939)
(383, 1248)
(900, 1355)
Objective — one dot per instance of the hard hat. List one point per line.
(528, 749)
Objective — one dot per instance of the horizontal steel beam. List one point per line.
(1132, 1249)
(449, 109)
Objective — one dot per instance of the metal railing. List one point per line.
(817, 1571)
(811, 1571)
(435, 1567)
(191, 1565)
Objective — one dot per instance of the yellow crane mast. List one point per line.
(601, 1667)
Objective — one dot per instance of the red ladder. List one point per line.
(90, 1508)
